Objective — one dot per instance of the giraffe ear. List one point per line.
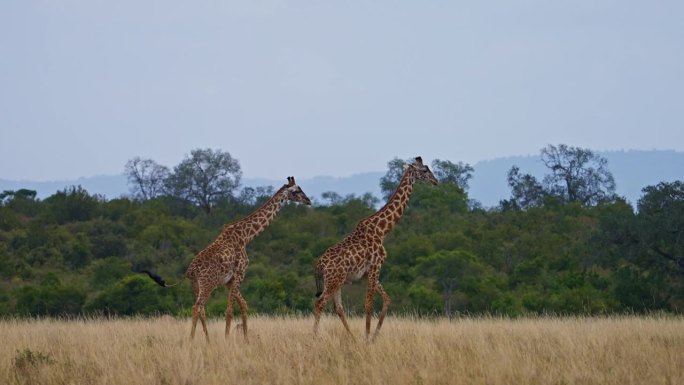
(419, 161)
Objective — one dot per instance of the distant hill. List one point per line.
(633, 170)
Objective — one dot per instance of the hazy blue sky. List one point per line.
(311, 88)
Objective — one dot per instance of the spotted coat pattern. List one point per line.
(361, 254)
(225, 260)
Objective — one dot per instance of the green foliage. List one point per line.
(50, 298)
(146, 178)
(425, 300)
(132, 295)
(448, 172)
(106, 272)
(22, 202)
(71, 205)
(5, 306)
(76, 253)
(526, 191)
(444, 197)
(390, 181)
(576, 175)
(205, 177)
(661, 222)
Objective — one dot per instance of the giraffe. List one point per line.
(225, 260)
(361, 253)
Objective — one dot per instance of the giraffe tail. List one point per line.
(157, 279)
(319, 281)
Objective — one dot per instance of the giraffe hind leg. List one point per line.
(198, 309)
(203, 318)
(234, 295)
(195, 315)
(243, 311)
(386, 301)
(195, 312)
(229, 309)
(339, 309)
(319, 306)
(199, 312)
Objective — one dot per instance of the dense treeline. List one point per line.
(561, 245)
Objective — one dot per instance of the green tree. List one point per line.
(130, 296)
(72, 204)
(146, 178)
(22, 201)
(659, 231)
(255, 196)
(452, 271)
(390, 181)
(332, 198)
(51, 298)
(577, 175)
(455, 173)
(106, 272)
(205, 177)
(445, 171)
(661, 219)
(526, 191)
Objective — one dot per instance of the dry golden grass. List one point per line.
(620, 350)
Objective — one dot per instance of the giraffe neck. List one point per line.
(253, 224)
(388, 216)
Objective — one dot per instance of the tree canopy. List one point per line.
(574, 175)
(146, 178)
(539, 253)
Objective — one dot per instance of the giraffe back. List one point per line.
(350, 258)
(218, 261)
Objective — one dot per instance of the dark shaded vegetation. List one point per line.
(561, 246)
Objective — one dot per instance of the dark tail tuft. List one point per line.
(319, 281)
(155, 278)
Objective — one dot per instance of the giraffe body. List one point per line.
(224, 261)
(361, 254)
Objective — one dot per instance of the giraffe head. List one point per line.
(294, 193)
(419, 171)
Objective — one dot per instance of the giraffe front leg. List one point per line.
(386, 301)
(372, 284)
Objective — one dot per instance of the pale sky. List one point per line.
(310, 88)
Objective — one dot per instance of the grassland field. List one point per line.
(283, 350)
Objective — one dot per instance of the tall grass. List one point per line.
(617, 350)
